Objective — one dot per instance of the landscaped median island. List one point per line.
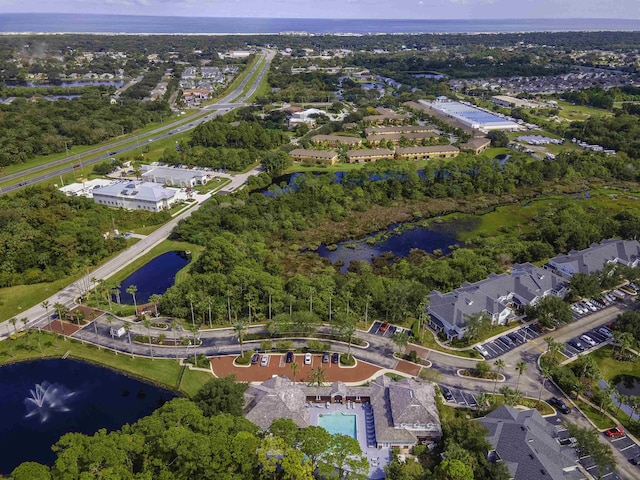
(482, 372)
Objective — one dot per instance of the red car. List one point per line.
(384, 327)
(614, 432)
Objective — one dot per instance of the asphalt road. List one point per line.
(232, 100)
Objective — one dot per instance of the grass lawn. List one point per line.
(429, 341)
(610, 367)
(601, 421)
(579, 112)
(163, 372)
(543, 407)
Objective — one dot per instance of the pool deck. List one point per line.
(378, 458)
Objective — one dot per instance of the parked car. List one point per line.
(576, 344)
(570, 442)
(446, 393)
(559, 404)
(254, 358)
(307, 359)
(635, 460)
(506, 340)
(325, 358)
(264, 361)
(591, 306)
(289, 357)
(614, 432)
(605, 331)
(588, 340)
(384, 327)
(483, 351)
(335, 358)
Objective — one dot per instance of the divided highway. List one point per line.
(232, 100)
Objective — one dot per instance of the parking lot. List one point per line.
(385, 329)
(585, 460)
(598, 337)
(500, 346)
(627, 447)
(459, 397)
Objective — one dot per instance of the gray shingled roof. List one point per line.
(593, 259)
(174, 173)
(396, 129)
(528, 446)
(525, 284)
(406, 402)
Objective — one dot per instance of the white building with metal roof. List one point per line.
(176, 177)
(136, 195)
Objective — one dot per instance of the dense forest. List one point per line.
(256, 245)
(45, 235)
(620, 132)
(42, 127)
(225, 143)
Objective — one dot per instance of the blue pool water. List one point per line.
(339, 423)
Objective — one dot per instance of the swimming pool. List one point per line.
(338, 423)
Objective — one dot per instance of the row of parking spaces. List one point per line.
(584, 308)
(585, 460)
(577, 345)
(385, 329)
(628, 448)
(507, 342)
(457, 396)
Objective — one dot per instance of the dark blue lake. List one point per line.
(71, 396)
(155, 276)
(429, 239)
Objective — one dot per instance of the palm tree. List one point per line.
(347, 330)
(174, 326)
(605, 400)
(24, 321)
(45, 305)
(545, 372)
(155, 299)
(499, 364)
(401, 339)
(240, 327)
(13, 322)
(553, 346)
(294, 370)
(209, 303)
(131, 290)
(127, 328)
(190, 298)
(521, 367)
(482, 399)
(316, 377)
(147, 323)
(94, 282)
(116, 292)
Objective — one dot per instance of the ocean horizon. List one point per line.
(138, 24)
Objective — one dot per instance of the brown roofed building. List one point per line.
(387, 118)
(329, 157)
(335, 140)
(420, 153)
(476, 145)
(365, 156)
(396, 137)
(396, 129)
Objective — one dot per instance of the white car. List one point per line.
(307, 359)
(264, 361)
(483, 351)
(591, 306)
(588, 340)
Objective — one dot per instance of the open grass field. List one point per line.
(33, 345)
(580, 112)
(598, 418)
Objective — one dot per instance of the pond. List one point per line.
(155, 276)
(42, 400)
(399, 241)
(627, 384)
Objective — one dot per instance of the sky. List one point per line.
(405, 9)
